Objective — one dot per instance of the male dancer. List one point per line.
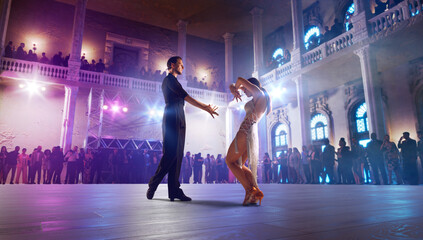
(174, 131)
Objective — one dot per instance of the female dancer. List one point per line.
(245, 144)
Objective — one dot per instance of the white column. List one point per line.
(229, 71)
(298, 33)
(4, 22)
(77, 35)
(182, 48)
(372, 91)
(71, 93)
(303, 104)
(257, 41)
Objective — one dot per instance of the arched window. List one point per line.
(278, 56)
(360, 123)
(312, 37)
(280, 139)
(319, 127)
(348, 14)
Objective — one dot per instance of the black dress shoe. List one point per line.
(181, 197)
(150, 193)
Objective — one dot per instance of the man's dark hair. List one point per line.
(172, 60)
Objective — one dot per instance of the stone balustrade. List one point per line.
(313, 55)
(15, 68)
(276, 74)
(338, 43)
(389, 18)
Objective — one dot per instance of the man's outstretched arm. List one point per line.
(208, 108)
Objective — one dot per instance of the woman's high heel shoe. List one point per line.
(248, 196)
(257, 195)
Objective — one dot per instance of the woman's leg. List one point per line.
(236, 166)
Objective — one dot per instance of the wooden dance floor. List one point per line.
(287, 212)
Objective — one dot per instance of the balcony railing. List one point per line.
(276, 74)
(390, 18)
(328, 48)
(26, 69)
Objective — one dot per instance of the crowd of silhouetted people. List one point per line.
(380, 162)
(100, 165)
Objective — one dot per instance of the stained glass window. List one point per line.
(361, 118)
(312, 37)
(319, 127)
(281, 133)
(348, 15)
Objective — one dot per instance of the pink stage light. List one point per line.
(115, 108)
(43, 89)
(105, 107)
(21, 85)
(125, 109)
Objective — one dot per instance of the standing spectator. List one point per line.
(44, 59)
(46, 164)
(8, 51)
(220, 168)
(3, 155)
(99, 67)
(20, 52)
(11, 162)
(66, 61)
(283, 159)
(198, 168)
(213, 173)
(267, 168)
(275, 170)
(296, 160)
(375, 156)
(358, 154)
(71, 157)
(345, 162)
(392, 159)
(114, 158)
(316, 165)
(207, 164)
(57, 59)
(88, 162)
(31, 56)
(409, 155)
(80, 165)
(96, 170)
(305, 165)
(328, 159)
(146, 165)
(58, 158)
(22, 166)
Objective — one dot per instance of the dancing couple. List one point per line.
(243, 147)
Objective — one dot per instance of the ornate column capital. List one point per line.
(256, 11)
(363, 51)
(228, 36)
(182, 25)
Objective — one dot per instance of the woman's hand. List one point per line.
(235, 92)
(211, 109)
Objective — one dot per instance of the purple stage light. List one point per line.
(105, 107)
(125, 109)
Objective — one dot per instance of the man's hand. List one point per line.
(211, 109)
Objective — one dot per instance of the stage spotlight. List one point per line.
(43, 89)
(32, 87)
(284, 89)
(115, 108)
(105, 107)
(125, 109)
(21, 85)
(152, 112)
